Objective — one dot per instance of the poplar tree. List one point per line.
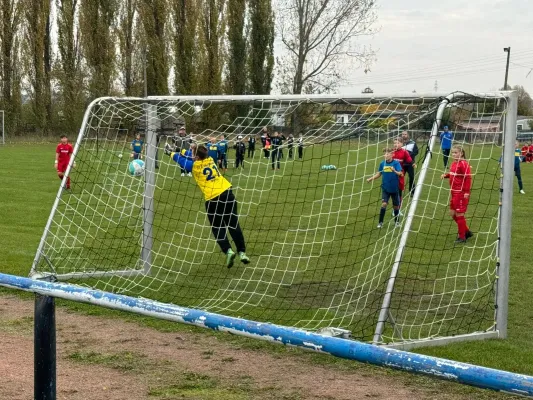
(236, 60)
(261, 57)
(213, 26)
(38, 60)
(97, 21)
(10, 23)
(129, 63)
(185, 34)
(154, 17)
(68, 66)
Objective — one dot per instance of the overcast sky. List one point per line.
(458, 43)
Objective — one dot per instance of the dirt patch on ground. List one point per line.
(108, 358)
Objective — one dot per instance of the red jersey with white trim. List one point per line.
(460, 176)
(402, 156)
(64, 151)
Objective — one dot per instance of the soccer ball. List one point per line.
(136, 167)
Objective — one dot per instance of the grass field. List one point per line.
(30, 185)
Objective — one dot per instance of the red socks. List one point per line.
(461, 225)
(60, 176)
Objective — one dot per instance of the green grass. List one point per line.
(318, 259)
(124, 361)
(30, 185)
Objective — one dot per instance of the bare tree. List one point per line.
(318, 37)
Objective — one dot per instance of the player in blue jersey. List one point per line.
(137, 148)
(223, 153)
(446, 139)
(517, 160)
(390, 170)
(212, 149)
(220, 203)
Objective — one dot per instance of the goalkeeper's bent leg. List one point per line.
(231, 220)
(214, 214)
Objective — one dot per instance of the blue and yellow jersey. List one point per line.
(390, 180)
(205, 173)
(209, 179)
(517, 158)
(137, 146)
(223, 146)
(212, 150)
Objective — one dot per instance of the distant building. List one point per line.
(522, 123)
(480, 124)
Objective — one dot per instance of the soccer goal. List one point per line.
(319, 262)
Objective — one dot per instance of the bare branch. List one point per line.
(319, 35)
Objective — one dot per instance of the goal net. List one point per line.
(308, 214)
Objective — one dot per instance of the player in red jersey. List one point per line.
(524, 151)
(460, 177)
(404, 158)
(529, 155)
(63, 152)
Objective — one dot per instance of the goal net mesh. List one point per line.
(318, 259)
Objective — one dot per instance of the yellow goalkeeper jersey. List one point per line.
(209, 178)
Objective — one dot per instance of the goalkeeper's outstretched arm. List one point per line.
(184, 158)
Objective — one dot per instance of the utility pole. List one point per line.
(508, 51)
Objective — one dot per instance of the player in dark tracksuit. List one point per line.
(300, 147)
(290, 145)
(275, 143)
(240, 151)
(409, 168)
(251, 146)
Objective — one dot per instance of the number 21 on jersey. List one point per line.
(209, 174)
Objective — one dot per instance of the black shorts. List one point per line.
(221, 206)
(385, 196)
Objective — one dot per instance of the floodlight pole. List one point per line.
(508, 51)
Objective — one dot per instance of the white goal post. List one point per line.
(319, 261)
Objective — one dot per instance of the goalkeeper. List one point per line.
(220, 203)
